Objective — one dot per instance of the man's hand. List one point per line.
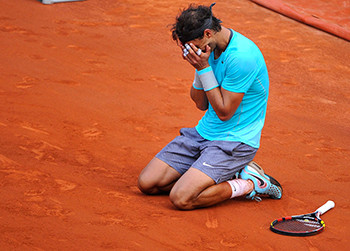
(196, 57)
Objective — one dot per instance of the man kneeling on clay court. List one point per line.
(212, 162)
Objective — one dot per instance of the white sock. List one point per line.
(240, 187)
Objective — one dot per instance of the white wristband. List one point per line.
(207, 78)
(197, 84)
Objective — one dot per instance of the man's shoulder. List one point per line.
(240, 43)
(242, 49)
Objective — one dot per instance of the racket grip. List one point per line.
(328, 205)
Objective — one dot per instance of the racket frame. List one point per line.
(315, 216)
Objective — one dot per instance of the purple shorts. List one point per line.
(220, 160)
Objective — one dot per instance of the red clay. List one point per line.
(91, 91)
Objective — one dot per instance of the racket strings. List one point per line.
(298, 225)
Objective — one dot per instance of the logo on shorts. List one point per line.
(205, 164)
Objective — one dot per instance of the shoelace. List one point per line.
(256, 198)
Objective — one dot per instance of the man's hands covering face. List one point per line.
(195, 56)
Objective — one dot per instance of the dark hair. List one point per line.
(193, 21)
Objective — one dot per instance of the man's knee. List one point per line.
(157, 177)
(181, 200)
(145, 185)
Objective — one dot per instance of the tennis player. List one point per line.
(213, 161)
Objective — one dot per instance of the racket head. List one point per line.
(300, 225)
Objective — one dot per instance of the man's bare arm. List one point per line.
(224, 103)
(200, 98)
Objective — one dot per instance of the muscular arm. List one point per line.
(224, 103)
(200, 98)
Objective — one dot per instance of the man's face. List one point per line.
(203, 42)
(200, 43)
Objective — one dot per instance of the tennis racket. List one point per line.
(302, 225)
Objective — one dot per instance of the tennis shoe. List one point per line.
(263, 184)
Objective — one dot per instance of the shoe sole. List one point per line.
(254, 164)
(276, 183)
(256, 167)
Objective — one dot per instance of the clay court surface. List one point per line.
(91, 91)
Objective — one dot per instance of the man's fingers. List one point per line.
(191, 49)
(185, 52)
(207, 49)
(197, 50)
